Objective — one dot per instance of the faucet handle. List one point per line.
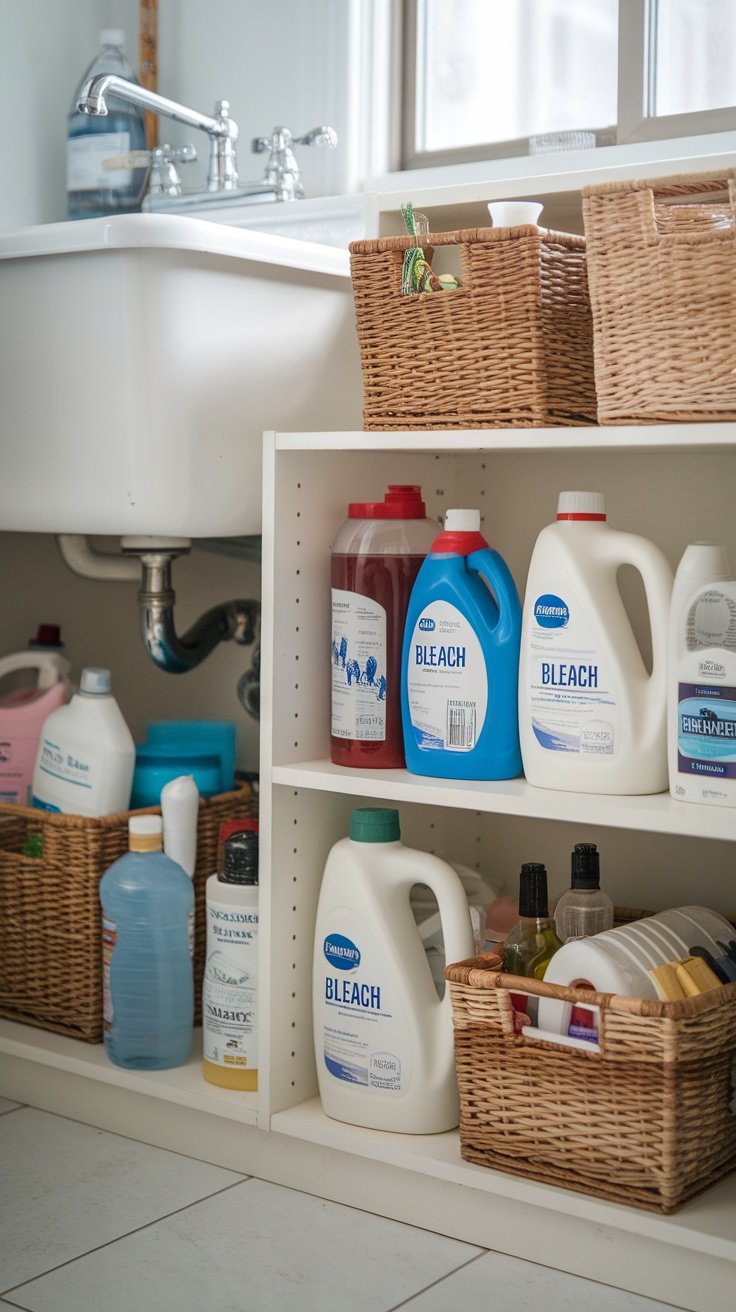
(164, 180)
(280, 139)
(322, 136)
(282, 169)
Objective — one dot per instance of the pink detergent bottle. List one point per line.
(22, 713)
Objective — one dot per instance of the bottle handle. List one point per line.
(656, 575)
(48, 673)
(457, 927)
(495, 571)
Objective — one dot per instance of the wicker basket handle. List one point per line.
(657, 204)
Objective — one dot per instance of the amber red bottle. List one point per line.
(375, 559)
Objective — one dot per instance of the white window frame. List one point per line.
(635, 122)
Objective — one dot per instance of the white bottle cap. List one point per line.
(95, 680)
(583, 504)
(180, 811)
(462, 521)
(112, 36)
(145, 825)
(710, 560)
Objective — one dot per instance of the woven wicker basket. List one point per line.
(662, 272)
(644, 1121)
(510, 348)
(50, 924)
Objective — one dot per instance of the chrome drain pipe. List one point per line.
(236, 620)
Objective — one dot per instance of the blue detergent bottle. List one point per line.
(460, 660)
(147, 948)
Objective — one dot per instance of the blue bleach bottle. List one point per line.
(460, 660)
(147, 948)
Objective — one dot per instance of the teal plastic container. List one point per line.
(460, 660)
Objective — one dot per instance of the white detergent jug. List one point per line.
(383, 1038)
(591, 719)
(86, 754)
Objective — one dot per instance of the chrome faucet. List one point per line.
(222, 130)
(282, 178)
(282, 169)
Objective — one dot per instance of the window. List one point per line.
(482, 77)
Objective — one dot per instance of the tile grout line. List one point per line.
(407, 1302)
(277, 1184)
(101, 1129)
(126, 1235)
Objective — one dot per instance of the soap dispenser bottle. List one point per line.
(92, 189)
(230, 985)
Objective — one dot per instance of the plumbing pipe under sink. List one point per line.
(150, 559)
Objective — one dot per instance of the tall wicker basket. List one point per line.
(510, 348)
(50, 923)
(662, 273)
(646, 1120)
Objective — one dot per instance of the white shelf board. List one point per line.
(657, 813)
(183, 1085)
(707, 1225)
(645, 437)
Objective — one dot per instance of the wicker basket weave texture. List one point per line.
(50, 921)
(662, 273)
(511, 347)
(646, 1121)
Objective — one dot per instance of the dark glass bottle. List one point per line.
(533, 941)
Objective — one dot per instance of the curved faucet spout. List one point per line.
(221, 129)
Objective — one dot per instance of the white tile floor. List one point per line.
(93, 1222)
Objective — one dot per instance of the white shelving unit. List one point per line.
(673, 483)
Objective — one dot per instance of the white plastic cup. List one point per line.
(514, 213)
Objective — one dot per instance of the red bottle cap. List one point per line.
(401, 501)
(49, 635)
(229, 827)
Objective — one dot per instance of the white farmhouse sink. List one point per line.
(141, 358)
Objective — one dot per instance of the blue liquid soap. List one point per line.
(147, 948)
(460, 660)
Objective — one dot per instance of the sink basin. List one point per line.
(141, 358)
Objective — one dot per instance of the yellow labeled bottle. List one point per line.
(230, 986)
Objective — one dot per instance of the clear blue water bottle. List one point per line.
(147, 949)
(92, 190)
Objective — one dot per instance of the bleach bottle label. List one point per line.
(364, 1041)
(447, 683)
(573, 703)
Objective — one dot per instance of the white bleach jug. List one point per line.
(591, 718)
(383, 1038)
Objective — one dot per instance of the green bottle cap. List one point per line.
(375, 824)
